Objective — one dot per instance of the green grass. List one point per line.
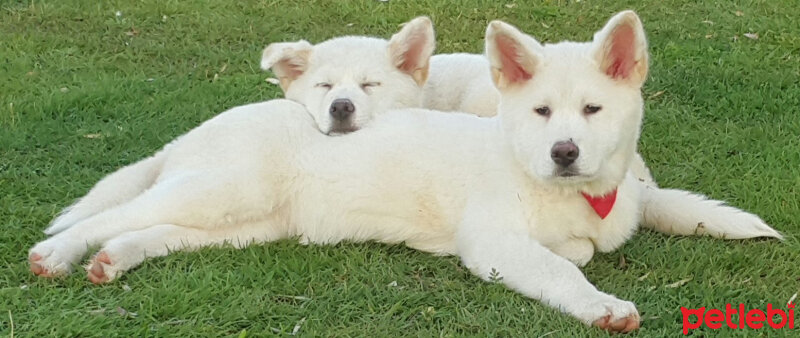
(83, 92)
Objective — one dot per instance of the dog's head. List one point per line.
(572, 111)
(345, 81)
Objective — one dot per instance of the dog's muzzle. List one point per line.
(341, 129)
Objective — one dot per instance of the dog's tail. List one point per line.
(113, 190)
(679, 212)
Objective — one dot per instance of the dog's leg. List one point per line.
(198, 200)
(128, 250)
(576, 250)
(495, 245)
(678, 212)
(113, 190)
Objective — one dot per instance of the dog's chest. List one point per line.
(557, 217)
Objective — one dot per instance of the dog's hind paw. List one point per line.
(100, 269)
(52, 258)
(41, 268)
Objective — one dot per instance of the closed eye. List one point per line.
(365, 85)
(325, 85)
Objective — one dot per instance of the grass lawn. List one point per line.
(87, 87)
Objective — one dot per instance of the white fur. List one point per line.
(462, 82)
(454, 183)
(683, 213)
(375, 74)
(441, 183)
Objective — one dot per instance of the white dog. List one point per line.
(462, 82)
(548, 174)
(344, 81)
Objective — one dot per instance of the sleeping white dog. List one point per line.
(344, 82)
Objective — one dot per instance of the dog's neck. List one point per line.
(601, 194)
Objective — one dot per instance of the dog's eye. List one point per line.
(591, 109)
(543, 110)
(324, 85)
(366, 85)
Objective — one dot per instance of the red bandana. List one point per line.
(602, 205)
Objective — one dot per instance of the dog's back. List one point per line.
(460, 82)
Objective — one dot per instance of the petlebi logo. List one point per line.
(739, 317)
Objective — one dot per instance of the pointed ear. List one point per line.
(513, 55)
(288, 60)
(621, 49)
(411, 48)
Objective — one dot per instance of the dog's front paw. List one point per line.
(54, 257)
(611, 314)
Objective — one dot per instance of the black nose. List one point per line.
(564, 153)
(341, 109)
